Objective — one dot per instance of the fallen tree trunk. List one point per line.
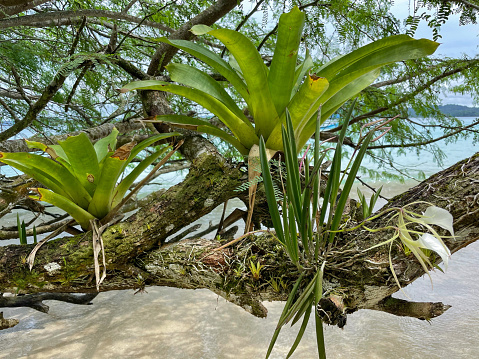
(137, 255)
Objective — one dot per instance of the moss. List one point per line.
(23, 279)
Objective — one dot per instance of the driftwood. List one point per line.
(137, 255)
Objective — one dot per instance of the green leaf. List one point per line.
(343, 88)
(101, 202)
(282, 69)
(316, 176)
(306, 304)
(301, 71)
(302, 107)
(213, 60)
(22, 233)
(126, 183)
(305, 296)
(269, 191)
(245, 134)
(293, 184)
(351, 73)
(332, 185)
(318, 289)
(50, 174)
(196, 124)
(255, 74)
(105, 145)
(347, 186)
(54, 151)
(147, 142)
(84, 162)
(307, 314)
(320, 337)
(79, 214)
(340, 90)
(190, 76)
(283, 314)
(378, 53)
(293, 235)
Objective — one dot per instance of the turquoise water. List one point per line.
(426, 161)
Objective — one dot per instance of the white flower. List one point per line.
(429, 241)
(440, 217)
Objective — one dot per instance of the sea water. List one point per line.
(178, 323)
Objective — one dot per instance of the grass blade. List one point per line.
(307, 314)
(285, 310)
(320, 337)
(269, 190)
(347, 186)
(299, 303)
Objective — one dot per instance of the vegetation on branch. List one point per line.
(267, 92)
(81, 178)
(62, 65)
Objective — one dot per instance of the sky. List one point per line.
(456, 41)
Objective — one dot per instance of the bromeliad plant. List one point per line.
(307, 232)
(267, 92)
(82, 178)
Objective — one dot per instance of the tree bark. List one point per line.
(137, 255)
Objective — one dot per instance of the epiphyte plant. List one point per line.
(82, 178)
(268, 91)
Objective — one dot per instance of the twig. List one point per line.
(240, 238)
(31, 256)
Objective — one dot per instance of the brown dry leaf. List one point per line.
(124, 151)
(97, 248)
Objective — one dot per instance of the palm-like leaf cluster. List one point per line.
(268, 91)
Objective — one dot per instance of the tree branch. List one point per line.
(404, 308)
(407, 97)
(94, 134)
(417, 144)
(35, 301)
(355, 271)
(466, 4)
(55, 18)
(18, 7)
(46, 96)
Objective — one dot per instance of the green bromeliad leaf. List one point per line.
(243, 132)
(255, 75)
(106, 144)
(192, 77)
(282, 70)
(213, 60)
(80, 159)
(111, 169)
(83, 160)
(302, 107)
(50, 173)
(79, 214)
(268, 91)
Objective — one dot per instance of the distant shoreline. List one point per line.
(454, 110)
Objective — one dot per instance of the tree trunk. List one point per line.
(137, 255)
